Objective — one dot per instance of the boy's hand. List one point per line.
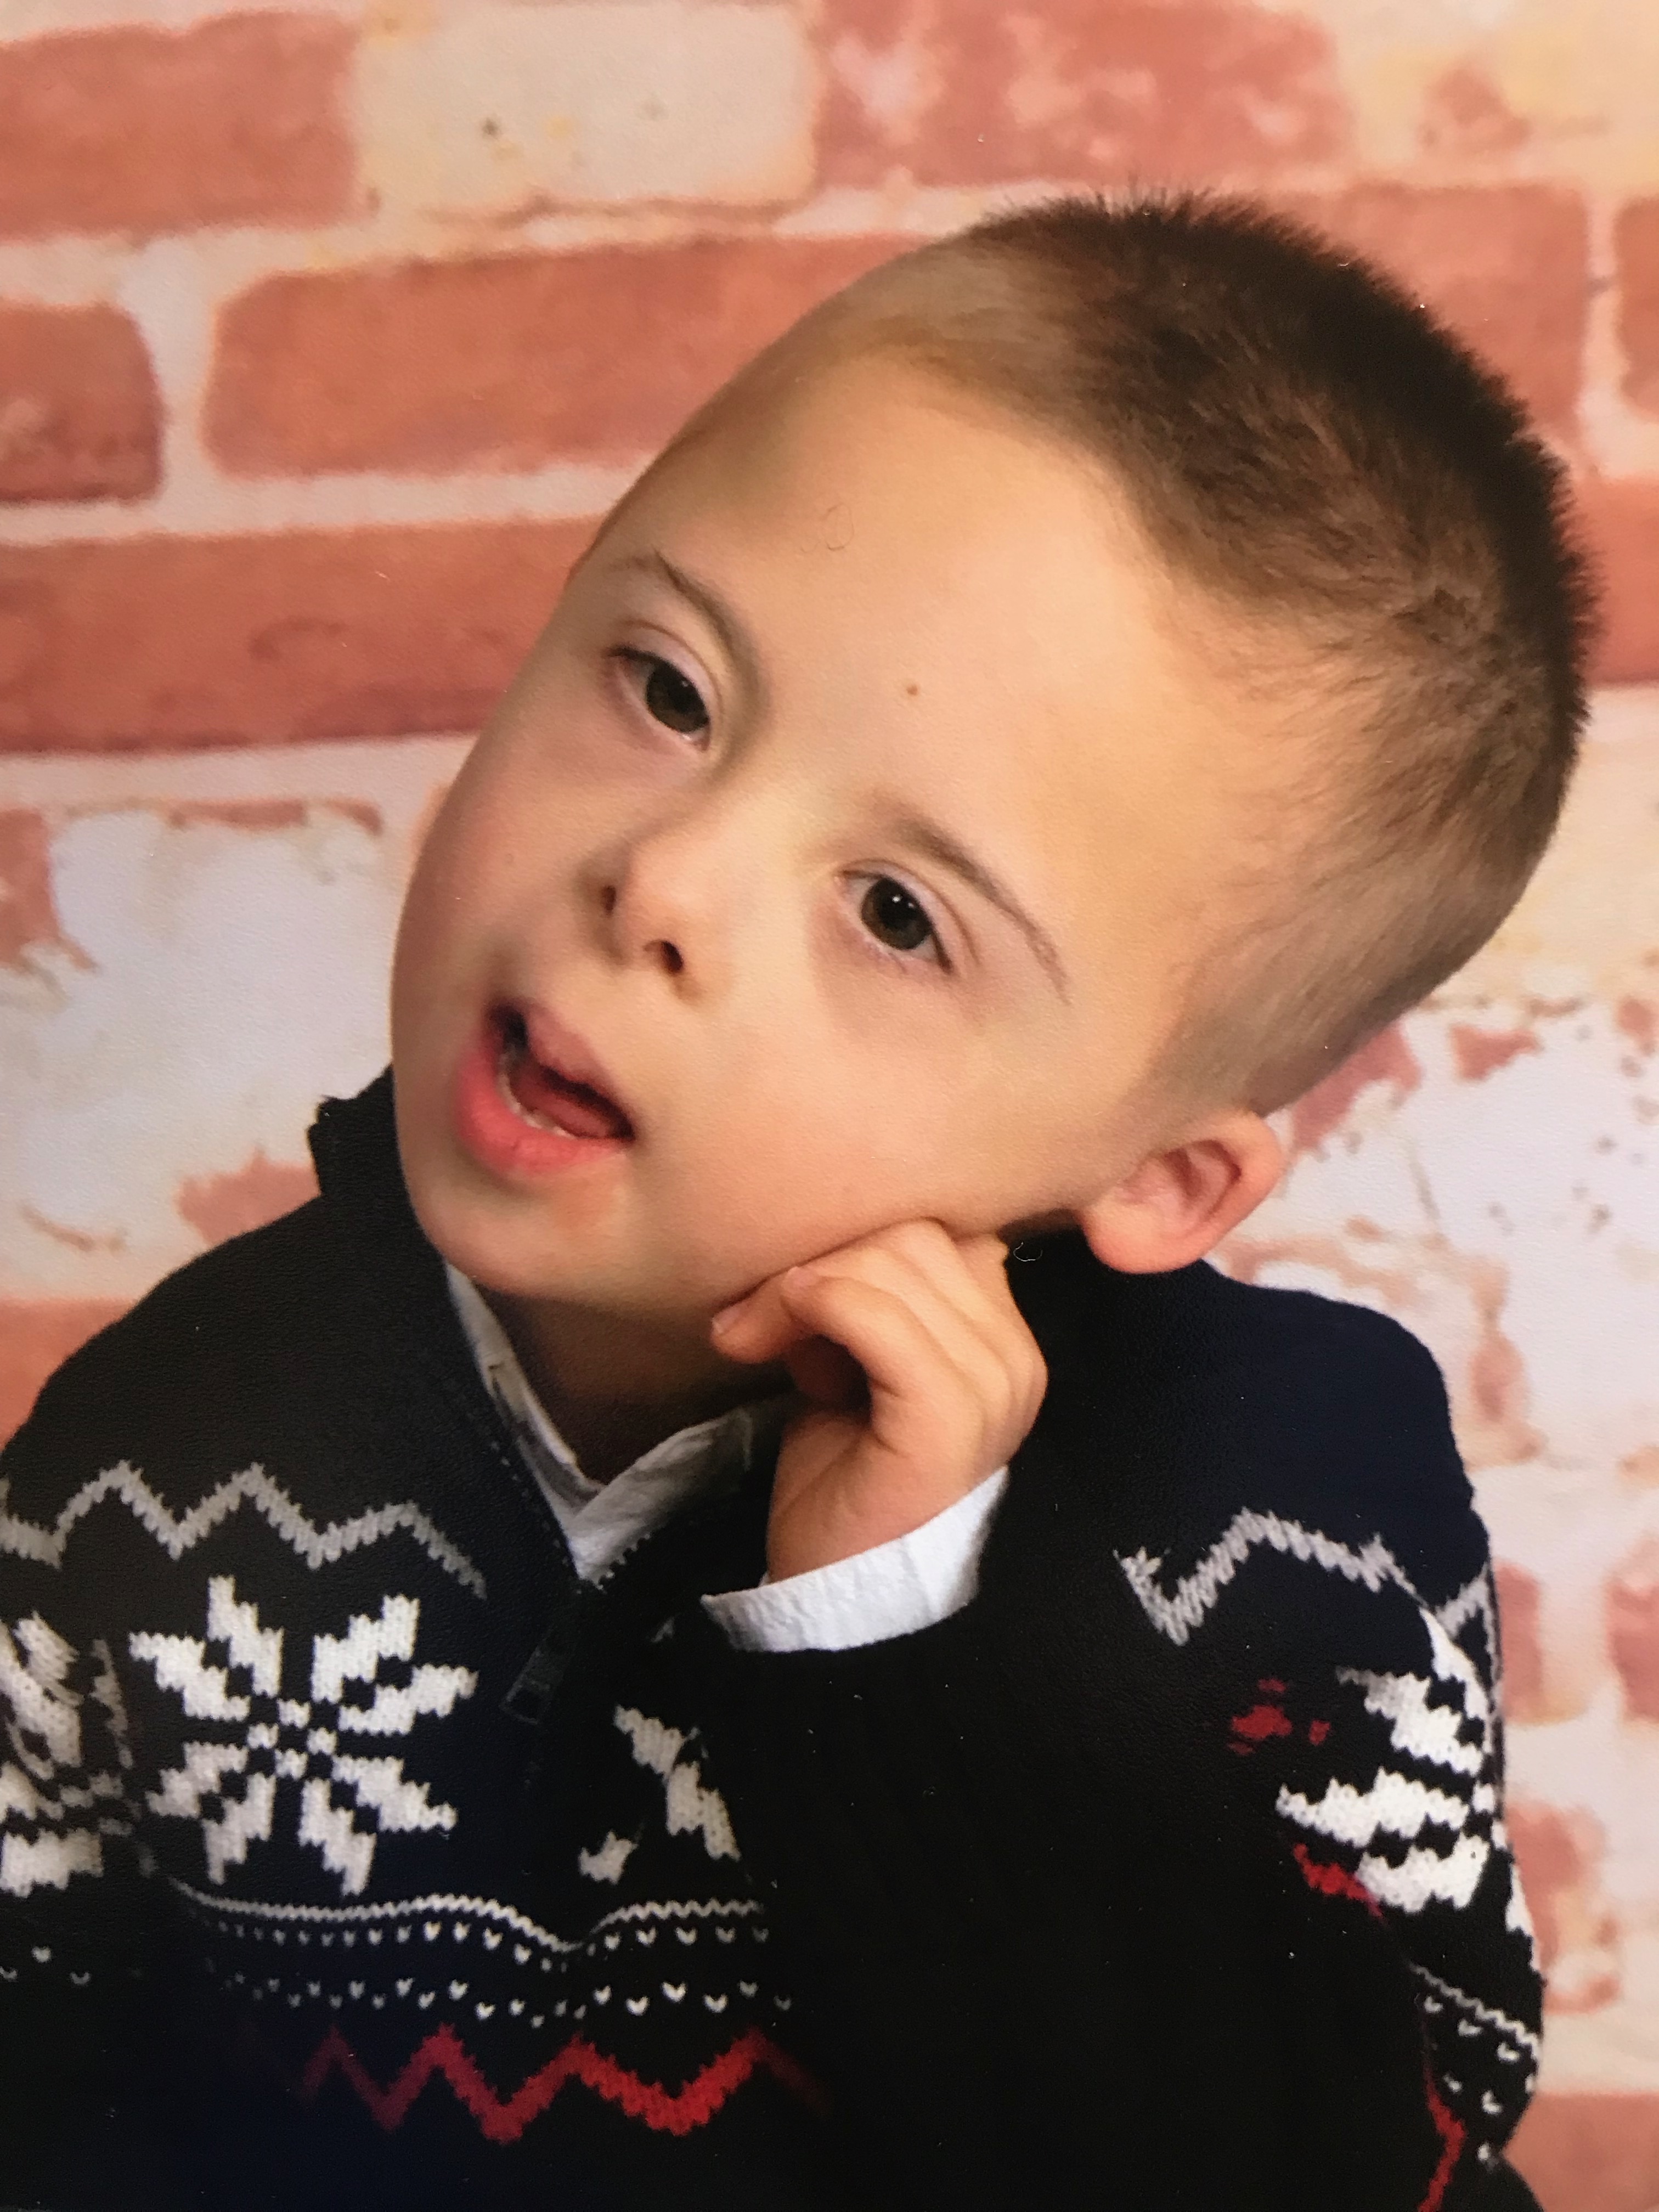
(922, 1375)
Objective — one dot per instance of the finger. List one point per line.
(923, 1407)
(761, 1327)
(957, 1287)
(960, 1290)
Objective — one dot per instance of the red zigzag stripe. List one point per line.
(677, 2111)
(1452, 2134)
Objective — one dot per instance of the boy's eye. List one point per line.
(670, 698)
(889, 913)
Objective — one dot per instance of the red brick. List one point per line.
(78, 409)
(237, 120)
(37, 1336)
(505, 363)
(1385, 1058)
(1075, 90)
(1559, 1852)
(164, 642)
(1591, 2153)
(29, 922)
(1636, 240)
(1621, 524)
(221, 1205)
(1465, 113)
(1508, 267)
(1633, 1628)
(1519, 1605)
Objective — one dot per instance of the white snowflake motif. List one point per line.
(58, 1800)
(229, 1783)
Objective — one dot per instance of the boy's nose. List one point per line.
(662, 948)
(665, 896)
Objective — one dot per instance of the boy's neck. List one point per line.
(614, 1388)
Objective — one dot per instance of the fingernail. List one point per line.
(724, 1317)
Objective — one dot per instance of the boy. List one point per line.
(621, 1656)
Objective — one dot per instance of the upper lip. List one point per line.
(567, 1054)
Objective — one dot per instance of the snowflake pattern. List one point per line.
(1448, 1815)
(229, 1781)
(58, 1799)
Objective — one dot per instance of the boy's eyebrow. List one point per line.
(924, 835)
(708, 604)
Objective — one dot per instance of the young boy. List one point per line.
(622, 1657)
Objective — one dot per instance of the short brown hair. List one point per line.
(1299, 437)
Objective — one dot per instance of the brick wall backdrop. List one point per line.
(325, 332)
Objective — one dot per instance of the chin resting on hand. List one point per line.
(921, 1378)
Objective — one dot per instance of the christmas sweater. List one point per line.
(354, 1852)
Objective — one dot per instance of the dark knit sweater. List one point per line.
(354, 1854)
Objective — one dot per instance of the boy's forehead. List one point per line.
(870, 512)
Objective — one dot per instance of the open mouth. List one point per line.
(539, 1095)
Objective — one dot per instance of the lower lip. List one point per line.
(498, 1138)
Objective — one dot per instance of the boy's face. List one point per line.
(859, 810)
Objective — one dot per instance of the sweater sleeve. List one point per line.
(1171, 1870)
(77, 1912)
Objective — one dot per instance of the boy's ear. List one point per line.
(1178, 1204)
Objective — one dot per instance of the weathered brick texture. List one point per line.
(1592, 2152)
(36, 1336)
(204, 641)
(78, 406)
(1633, 1629)
(241, 121)
(503, 112)
(980, 93)
(1636, 242)
(325, 333)
(503, 364)
(1621, 522)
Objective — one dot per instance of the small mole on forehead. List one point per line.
(911, 691)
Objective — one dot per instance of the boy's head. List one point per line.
(1050, 708)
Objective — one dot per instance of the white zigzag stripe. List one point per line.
(1394, 1803)
(1421, 1730)
(27, 1539)
(357, 1915)
(1374, 1564)
(1490, 2014)
(480, 1908)
(694, 1908)
(1423, 1874)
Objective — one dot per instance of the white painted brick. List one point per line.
(34, 19)
(506, 111)
(220, 975)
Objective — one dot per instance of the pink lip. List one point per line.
(560, 1049)
(485, 1123)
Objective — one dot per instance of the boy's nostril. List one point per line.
(672, 959)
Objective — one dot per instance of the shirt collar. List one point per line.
(601, 1520)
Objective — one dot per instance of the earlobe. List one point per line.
(1178, 1204)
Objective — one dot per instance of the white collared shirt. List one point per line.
(910, 1583)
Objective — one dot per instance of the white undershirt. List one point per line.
(911, 1582)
